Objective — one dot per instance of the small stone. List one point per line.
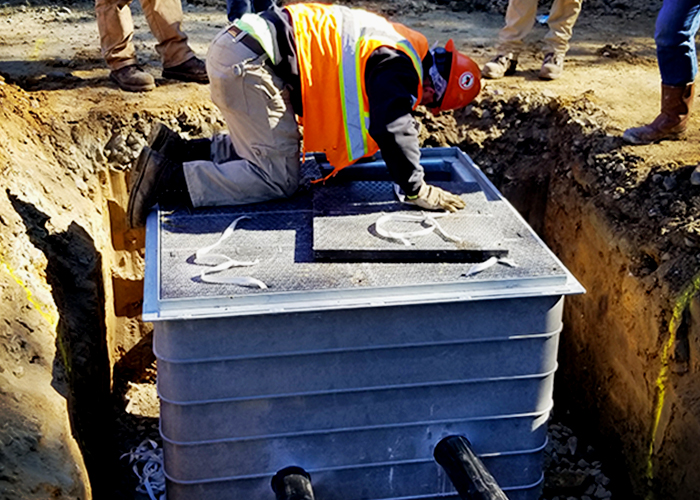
(582, 464)
(81, 185)
(670, 183)
(601, 492)
(572, 444)
(695, 176)
(602, 479)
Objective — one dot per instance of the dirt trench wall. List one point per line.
(622, 367)
(71, 284)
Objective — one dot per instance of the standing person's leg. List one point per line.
(562, 17)
(262, 130)
(116, 29)
(676, 27)
(520, 18)
(165, 20)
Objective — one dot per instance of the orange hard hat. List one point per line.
(464, 83)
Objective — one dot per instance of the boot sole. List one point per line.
(634, 140)
(137, 171)
(140, 171)
(185, 77)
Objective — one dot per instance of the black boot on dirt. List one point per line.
(132, 79)
(676, 102)
(192, 70)
(156, 180)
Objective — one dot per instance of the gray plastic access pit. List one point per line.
(362, 351)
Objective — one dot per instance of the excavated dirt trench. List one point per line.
(629, 353)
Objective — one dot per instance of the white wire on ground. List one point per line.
(147, 464)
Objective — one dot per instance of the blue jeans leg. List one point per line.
(676, 27)
(236, 8)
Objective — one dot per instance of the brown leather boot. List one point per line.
(675, 110)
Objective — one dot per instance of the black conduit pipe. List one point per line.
(292, 483)
(466, 471)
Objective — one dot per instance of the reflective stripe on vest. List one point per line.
(360, 34)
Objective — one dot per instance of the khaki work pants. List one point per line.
(259, 159)
(520, 18)
(116, 28)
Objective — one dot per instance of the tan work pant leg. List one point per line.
(562, 17)
(262, 129)
(116, 28)
(520, 18)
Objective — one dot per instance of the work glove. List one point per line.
(434, 198)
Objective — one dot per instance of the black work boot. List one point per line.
(169, 143)
(192, 70)
(155, 179)
(166, 141)
(197, 149)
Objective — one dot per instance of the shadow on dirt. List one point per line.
(74, 271)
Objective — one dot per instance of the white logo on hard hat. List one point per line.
(466, 80)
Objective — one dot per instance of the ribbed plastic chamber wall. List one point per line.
(353, 370)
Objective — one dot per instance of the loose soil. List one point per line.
(76, 369)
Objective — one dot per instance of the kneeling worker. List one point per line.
(351, 77)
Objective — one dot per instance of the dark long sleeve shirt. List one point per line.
(391, 82)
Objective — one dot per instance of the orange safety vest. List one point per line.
(333, 45)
